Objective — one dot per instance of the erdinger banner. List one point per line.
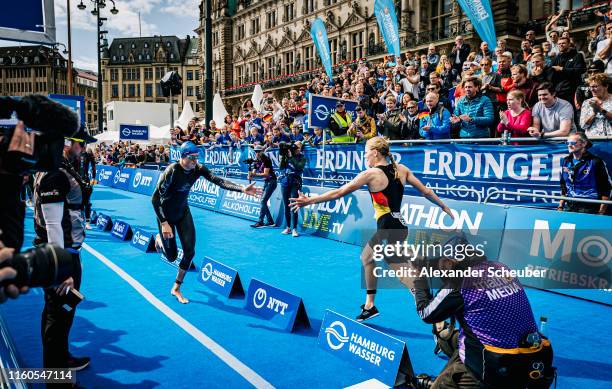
(205, 194)
(387, 22)
(319, 37)
(479, 13)
(105, 174)
(320, 109)
(572, 251)
(380, 355)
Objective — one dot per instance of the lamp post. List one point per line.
(96, 11)
(55, 53)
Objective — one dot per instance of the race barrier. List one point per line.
(220, 278)
(143, 240)
(121, 230)
(379, 355)
(279, 307)
(504, 232)
(104, 222)
(482, 168)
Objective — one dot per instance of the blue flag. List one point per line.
(319, 36)
(479, 12)
(387, 21)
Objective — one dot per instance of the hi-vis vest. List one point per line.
(342, 123)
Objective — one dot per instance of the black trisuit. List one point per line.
(170, 204)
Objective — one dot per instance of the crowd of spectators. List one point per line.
(124, 153)
(547, 88)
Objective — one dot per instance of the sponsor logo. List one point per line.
(104, 174)
(141, 180)
(125, 131)
(207, 271)
(336, 335)
(117, 177)
(322, 112)
(430, 216)
(259, 298)
(136, 237)
(204, 186)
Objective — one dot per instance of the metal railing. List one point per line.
(544, 196)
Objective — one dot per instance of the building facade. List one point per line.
(132, 69)
(268, 41)
(32, 69)
(87, 86)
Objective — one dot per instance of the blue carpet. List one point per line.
(133, 344)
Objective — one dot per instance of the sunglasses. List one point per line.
(571, 143)
(192, 157)
(411, 106)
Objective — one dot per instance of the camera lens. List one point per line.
(42, 266)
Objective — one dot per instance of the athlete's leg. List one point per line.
(368, 274)
(186, 232)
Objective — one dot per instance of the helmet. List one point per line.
(188, 148)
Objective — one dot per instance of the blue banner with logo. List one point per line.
(122, 178)
(220, 278)
(143, 240)
(319, 37)
(104, 222)
(205, 194)
(133, 132)
(144, 181)
(105, 174)
(121, 230)
(75, 103)
(572, 251)
(380, 355)
(479, 13)
(281, 308)
(320, 109)
(387, 22)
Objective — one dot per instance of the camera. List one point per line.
(285, 147)
(249, 161)
(50, 121)
(42, 266)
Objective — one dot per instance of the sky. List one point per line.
(157, 17)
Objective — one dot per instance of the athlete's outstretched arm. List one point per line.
(428, 193)
(227, 184)
(362, 179)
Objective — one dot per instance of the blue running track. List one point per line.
(155, 342)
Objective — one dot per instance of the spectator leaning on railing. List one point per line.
(552, 116)
(583, 175)
(473, 112)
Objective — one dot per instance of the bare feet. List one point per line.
(176, 292)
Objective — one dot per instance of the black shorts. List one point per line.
(389, 230)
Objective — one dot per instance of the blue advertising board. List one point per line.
(144, 181)
(572, 250)
(105, 174)
(143, 240)
(240, 204)
(121, 230)
(220, 278)
(281, 308)
(320, 109)
(123, 178)
(205, 194)
(380, 355)
(133, 132)
(76, 103)
(104, 222)
(28, 21)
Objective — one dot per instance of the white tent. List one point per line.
(186, 115)
(159, 135)
(219, 111)
(108, 137)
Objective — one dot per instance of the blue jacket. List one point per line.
(439, 122)
(480, 109)
(586, 178)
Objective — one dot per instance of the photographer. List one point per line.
(6, 274)
(291, 167)
(262, 167)
(498, 344)
(59, 219)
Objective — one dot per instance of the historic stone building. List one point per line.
(268, 41)
(32, 69)
(87, 86)
(133, 67)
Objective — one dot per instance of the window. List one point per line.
(441, 11)
(308, 54)
(197, 74)
(131, 90)
(310, 6)
(189, 75)
(333, 49)
(289, 12)
(197, 91)
(239, 75)
(330, 2)
(121, 45)
(123, 57)
(357, 44)
(148, 73)
(255, 25)
(189, 91)
(270, 66)
(148, 90)
(131, 74)
(289, 62)
(254, 72)
(215, 38)
(158, 91)
(115, 91)
(159, 72)
(271, 19)
(241, 32)
(146, 45)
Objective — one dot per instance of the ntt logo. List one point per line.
(259, 298)
(336, 335)
(207, 271)
(321, 112)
